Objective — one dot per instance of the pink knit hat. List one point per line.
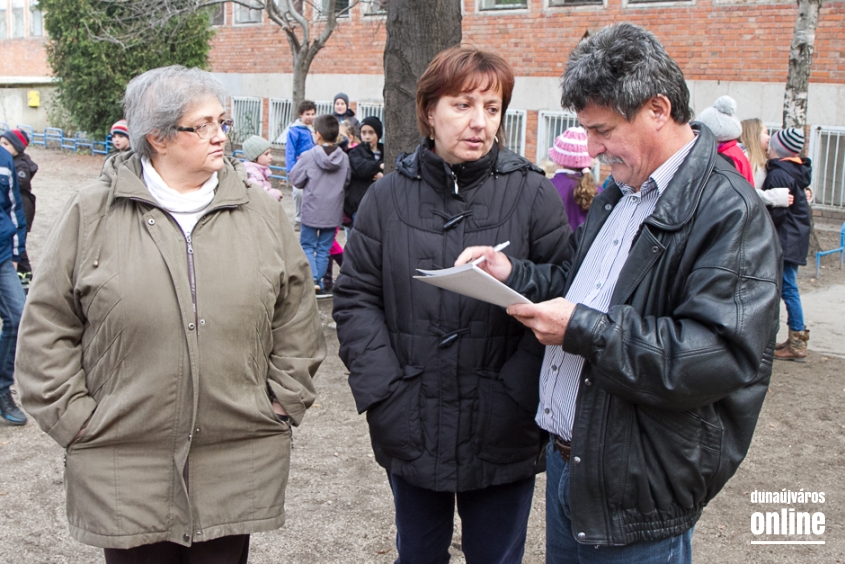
(570, 149)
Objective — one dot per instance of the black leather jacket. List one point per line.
(678, 368)
(449, 383)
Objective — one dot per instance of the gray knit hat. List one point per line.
(254, 147)
(787, 142)
(720, 118)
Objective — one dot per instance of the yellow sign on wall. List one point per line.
(33, 98)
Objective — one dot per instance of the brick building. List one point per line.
(734, 47)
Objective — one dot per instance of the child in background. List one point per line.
(299, 139)
(342, 111)
(258, 153)
(323, 173)
(120, 137)
(348, 136)
(720, 118)
(574, 182)
(367, 163)
(16, 141)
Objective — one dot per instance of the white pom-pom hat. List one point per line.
(721, 119)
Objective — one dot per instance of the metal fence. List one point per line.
(515, 130)
(247, 114)
(367, 109)
(827, 151)
(281, 116)
(324, 107)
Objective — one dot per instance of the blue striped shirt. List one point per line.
(593, 286)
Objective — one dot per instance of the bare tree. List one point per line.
(800, 63)
(308, 25)
(416, 32)
(798, 82)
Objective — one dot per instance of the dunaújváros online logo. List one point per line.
(778, 521)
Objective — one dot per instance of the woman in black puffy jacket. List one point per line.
(449, 383)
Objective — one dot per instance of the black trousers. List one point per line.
(233, 549)
(494, 522)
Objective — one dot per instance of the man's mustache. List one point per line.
(606, 159)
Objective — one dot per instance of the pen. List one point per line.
(497, 248)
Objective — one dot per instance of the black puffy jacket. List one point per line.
(364, 166)
(449, 383)
(792, 223)
(678, 368)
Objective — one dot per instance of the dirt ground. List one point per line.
(339, 505)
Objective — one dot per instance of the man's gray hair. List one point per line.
(622, 67)
(156, 100)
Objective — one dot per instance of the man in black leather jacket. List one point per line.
(660, 352)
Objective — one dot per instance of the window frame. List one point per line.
(482, 7)
(239, 8)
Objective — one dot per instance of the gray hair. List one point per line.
(156, 100)
(622, 67)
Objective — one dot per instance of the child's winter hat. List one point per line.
(120, 128)
(254, 147)
(570, 149)
(787, 142)
(720, 118)
(19, 139)
(375, 123)
(341, 96)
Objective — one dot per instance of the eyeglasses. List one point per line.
(209, 129)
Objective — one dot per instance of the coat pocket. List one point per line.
(674, 456)
(503, 432)
(396, 422)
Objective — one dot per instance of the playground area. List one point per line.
(339, 504)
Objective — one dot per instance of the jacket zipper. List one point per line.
(455, 180)
(192, 276)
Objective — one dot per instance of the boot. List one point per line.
(796, 348)
(805, 336)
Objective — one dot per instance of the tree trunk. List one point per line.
(300, 72)
(416, 32)
(798, 83)
(800, 62)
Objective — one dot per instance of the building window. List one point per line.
(247, 114)
(217, 14)
(552, 124)
(281, 112)
(827, 149)
(503, 4)
(324, 107)
(17, 18)
(36, 19)
(515, 131)
(341, 8)
(4, 33)
(656, 1)
(375, 8)
(244, 15)
(553, 3)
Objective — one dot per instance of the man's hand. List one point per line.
(497, 265)
(548, 320)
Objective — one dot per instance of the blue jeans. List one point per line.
(494, 522)
(791, 297)
(562, 548)
(11, 306)
(317, 242)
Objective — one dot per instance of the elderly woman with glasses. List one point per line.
(449, 383)
(170, 340)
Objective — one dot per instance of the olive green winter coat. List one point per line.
(172, 377)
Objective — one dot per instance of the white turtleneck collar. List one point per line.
(185, 208)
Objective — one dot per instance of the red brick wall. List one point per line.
(710, 41)
(24, 57)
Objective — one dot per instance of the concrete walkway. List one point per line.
(824, 314)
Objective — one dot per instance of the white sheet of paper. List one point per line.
(471, 281)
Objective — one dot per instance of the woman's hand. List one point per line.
(496, 264)
(277, 407)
